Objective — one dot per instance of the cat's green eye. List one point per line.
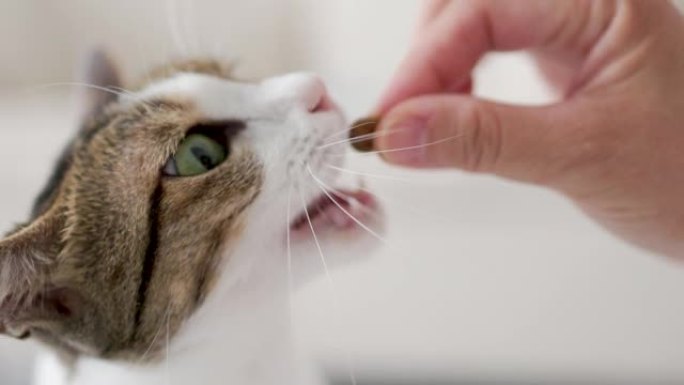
(196, 155)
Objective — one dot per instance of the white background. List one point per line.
(480, 277)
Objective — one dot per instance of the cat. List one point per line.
(165, 246)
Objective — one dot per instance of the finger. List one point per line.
(522, 143)
(431, 10)
(442, 59)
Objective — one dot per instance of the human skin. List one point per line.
(614, 144)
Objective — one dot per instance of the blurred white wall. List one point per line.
(480, 275)
(42, 40)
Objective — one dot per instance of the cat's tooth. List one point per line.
(339, 218)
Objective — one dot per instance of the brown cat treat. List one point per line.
(361, 134)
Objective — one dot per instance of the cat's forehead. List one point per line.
(216, 97)
(212, 97)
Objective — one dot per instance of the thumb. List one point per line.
(522, 143)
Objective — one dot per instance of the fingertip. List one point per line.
(402, 138)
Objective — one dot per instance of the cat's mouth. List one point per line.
(340, 210)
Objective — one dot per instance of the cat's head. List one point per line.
(176, 199)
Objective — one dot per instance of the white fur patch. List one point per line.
(240, 335)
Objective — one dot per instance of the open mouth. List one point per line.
(341, 210)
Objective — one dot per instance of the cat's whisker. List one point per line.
(290, 286)
(361, 138)
(113, 90)
(346, 130)
(326, 190)
(190, 27)
(369, 175)
(144, 62)
(352, 199)
(118, 91)
(125, 91)
(156, 336)
(348, 140)
(409, 148)
(174, 27)
(355, 139)
(315, 237)
(335, 304)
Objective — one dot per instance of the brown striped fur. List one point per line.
(114, 250)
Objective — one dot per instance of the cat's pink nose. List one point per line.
(303, 89)
(323, 104)
(315, 94)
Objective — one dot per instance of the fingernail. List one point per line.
(405, 142)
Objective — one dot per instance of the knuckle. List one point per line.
(482, 138)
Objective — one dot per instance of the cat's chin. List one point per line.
(345, 228)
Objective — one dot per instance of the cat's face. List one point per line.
(178, 199)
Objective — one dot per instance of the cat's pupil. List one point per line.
(206, 161)
(202, 156)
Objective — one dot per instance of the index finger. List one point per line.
(442, 58)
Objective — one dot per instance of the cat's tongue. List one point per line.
(341, 210)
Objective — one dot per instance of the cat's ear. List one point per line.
(100, 74)
(27, 298)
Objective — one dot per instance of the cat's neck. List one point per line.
(256, 349)
(209, 363)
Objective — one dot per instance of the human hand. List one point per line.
(614, 144)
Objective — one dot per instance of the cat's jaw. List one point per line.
(335, 211)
